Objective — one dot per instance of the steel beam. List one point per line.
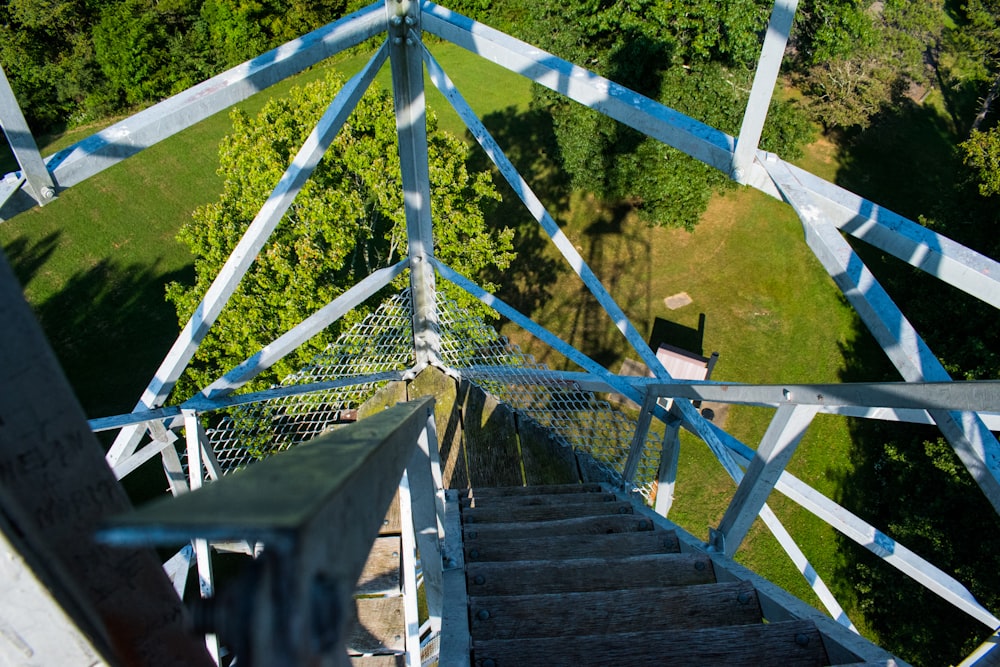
(144, 129)
(666, 476)
(974, 444)
(949, 261)
(701, 141)
(37, 180)
(775, 451)
(312, 325)
(537, 210)
(895, 554)
(411, 125)
(247, 249)
(765, 78)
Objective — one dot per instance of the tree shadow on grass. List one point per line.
(905, 479)
(109, 326)
(527, 140)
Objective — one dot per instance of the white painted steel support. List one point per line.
(670, 450)
(949, 261)
(197, 444)
(177, 568)
(37, 180)
(974, 444)
(639, 438)
(427, 523)
(312, 325)
(626, 106)
(918, 246)
(538, 211)
(410, 615)
(456, 642)
(411, 126)
(779, 443)
(247, 249)
(764, 80)
(144, 129)
(805, 568)
(871, 538)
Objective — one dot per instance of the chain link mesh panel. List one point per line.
(384, 342)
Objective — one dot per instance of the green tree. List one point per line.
(981, 153)
(347, 221)
(858, 58)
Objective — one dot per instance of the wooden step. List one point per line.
(562, 547)
(592, 525)
(587, 574)
(495, 491)
(379, 627)
(607, 612)
(381, 573)
(481, 515)
(397, 660)
(545, 499)
(788, 644)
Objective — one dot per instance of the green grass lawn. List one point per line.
(95, 261)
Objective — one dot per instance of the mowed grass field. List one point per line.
(94, 264)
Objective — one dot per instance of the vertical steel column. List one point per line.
(411, 617)
(426, 522)
(780, 441)
(639, 438)
(669, 456)
(764, 80)
(15, 127)
(405, 57)
(196, 441)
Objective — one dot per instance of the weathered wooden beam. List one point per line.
(597, 507)
(790, 644)
(572, 615)
(501, 548)
(590, 525)
(588, 574)
(55, 483)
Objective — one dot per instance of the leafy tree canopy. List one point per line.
(347, 221)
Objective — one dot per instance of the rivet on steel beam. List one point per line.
(395, 554)
(473, 534)
(483, 615)
(48, 193)
(385, 522)
(397, 20)
(397, 41)
(410, 20)
(479, 580)
(802, 639)
(744, 597)
(474, 554)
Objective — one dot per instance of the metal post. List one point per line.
(669, 457)
(779, 443)
(411, 125)
(15, 127)
(639, 438)
(410, 613)
(764, 80)
(196, 441)
(427, 523)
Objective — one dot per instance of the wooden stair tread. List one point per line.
(562, 547)
(495, 491)
(608, 612)
(397, 660)
(379, 627)
(587, 574)
(381, 573)
(587, 525)
(484, 515)
(538, 500)
(789, 644)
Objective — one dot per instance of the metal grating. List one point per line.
(383, 342)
